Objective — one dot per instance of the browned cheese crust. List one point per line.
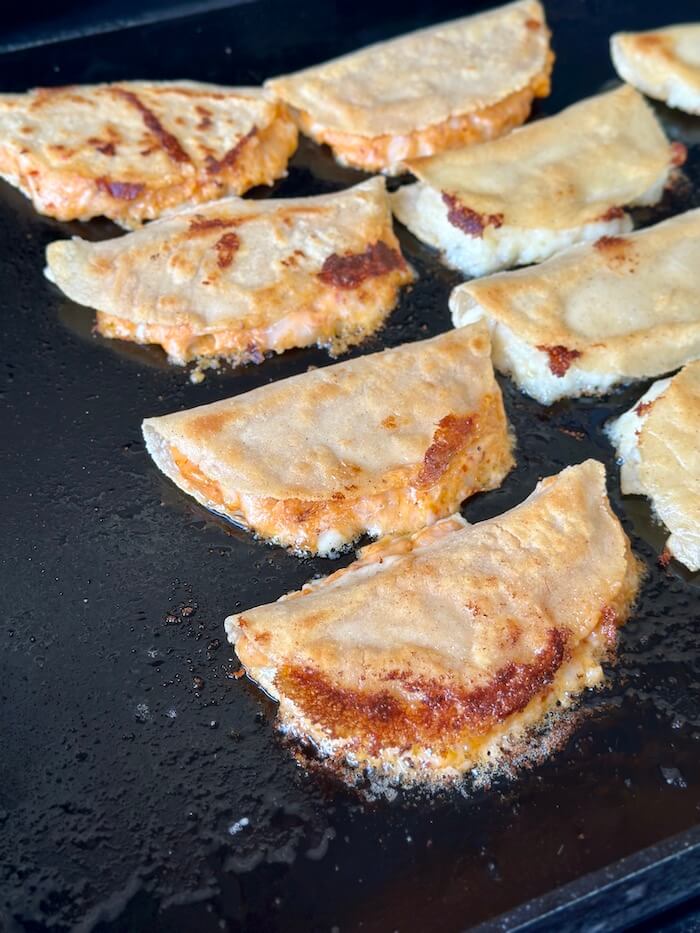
(433, 653)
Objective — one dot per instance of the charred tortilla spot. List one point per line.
(121, 190)
(450, 437)
(226, 247)
(205, 115)
(612, 213)
(618, 252)
(410, 708)
(61, 151)
(467, 220)
(533, 24)
(200, 224)
(389, 422)
(229, 159)
(560, 358)
(604, 243)
(107, 149)
(351, 269)
(643, 408)
(171, 144)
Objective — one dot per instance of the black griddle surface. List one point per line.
(142, 787)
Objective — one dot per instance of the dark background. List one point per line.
(123, 777)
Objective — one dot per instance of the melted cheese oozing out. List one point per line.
(331, 323)
(327, 526)
(182, 343)
(388, 153)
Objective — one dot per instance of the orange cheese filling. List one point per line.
(334, 320)
(390, 152)
(64, 192)
(479, 462)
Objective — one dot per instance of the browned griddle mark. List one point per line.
(560, 358)
(618, 252)
(205, 117)
(351, 269)
(200, 224)
(416, 709)
(532, 24)
(121, 190)
(226, 247)
(450, 437)
(605, 243)
(171, 144)
(467, 220)
(612, 213)
(229, 159)
(643, 408)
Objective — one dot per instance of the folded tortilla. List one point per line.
(596, 315)
(381, 444)
(545, 186)
(448, 85)
(663, 63)
(435, 654)
(658, 442)
(133, 150)
(238, 278)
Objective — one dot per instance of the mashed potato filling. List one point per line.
(422, 209)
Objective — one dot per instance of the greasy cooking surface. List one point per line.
(135, 771)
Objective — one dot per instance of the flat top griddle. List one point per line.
(142, 787)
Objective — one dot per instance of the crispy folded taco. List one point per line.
(658, 442)
(132, 151)
(238, 278)
(596, 315)
(545, 186)
(380, 444)
(448, 85)
(435, 654)
(663, 63)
